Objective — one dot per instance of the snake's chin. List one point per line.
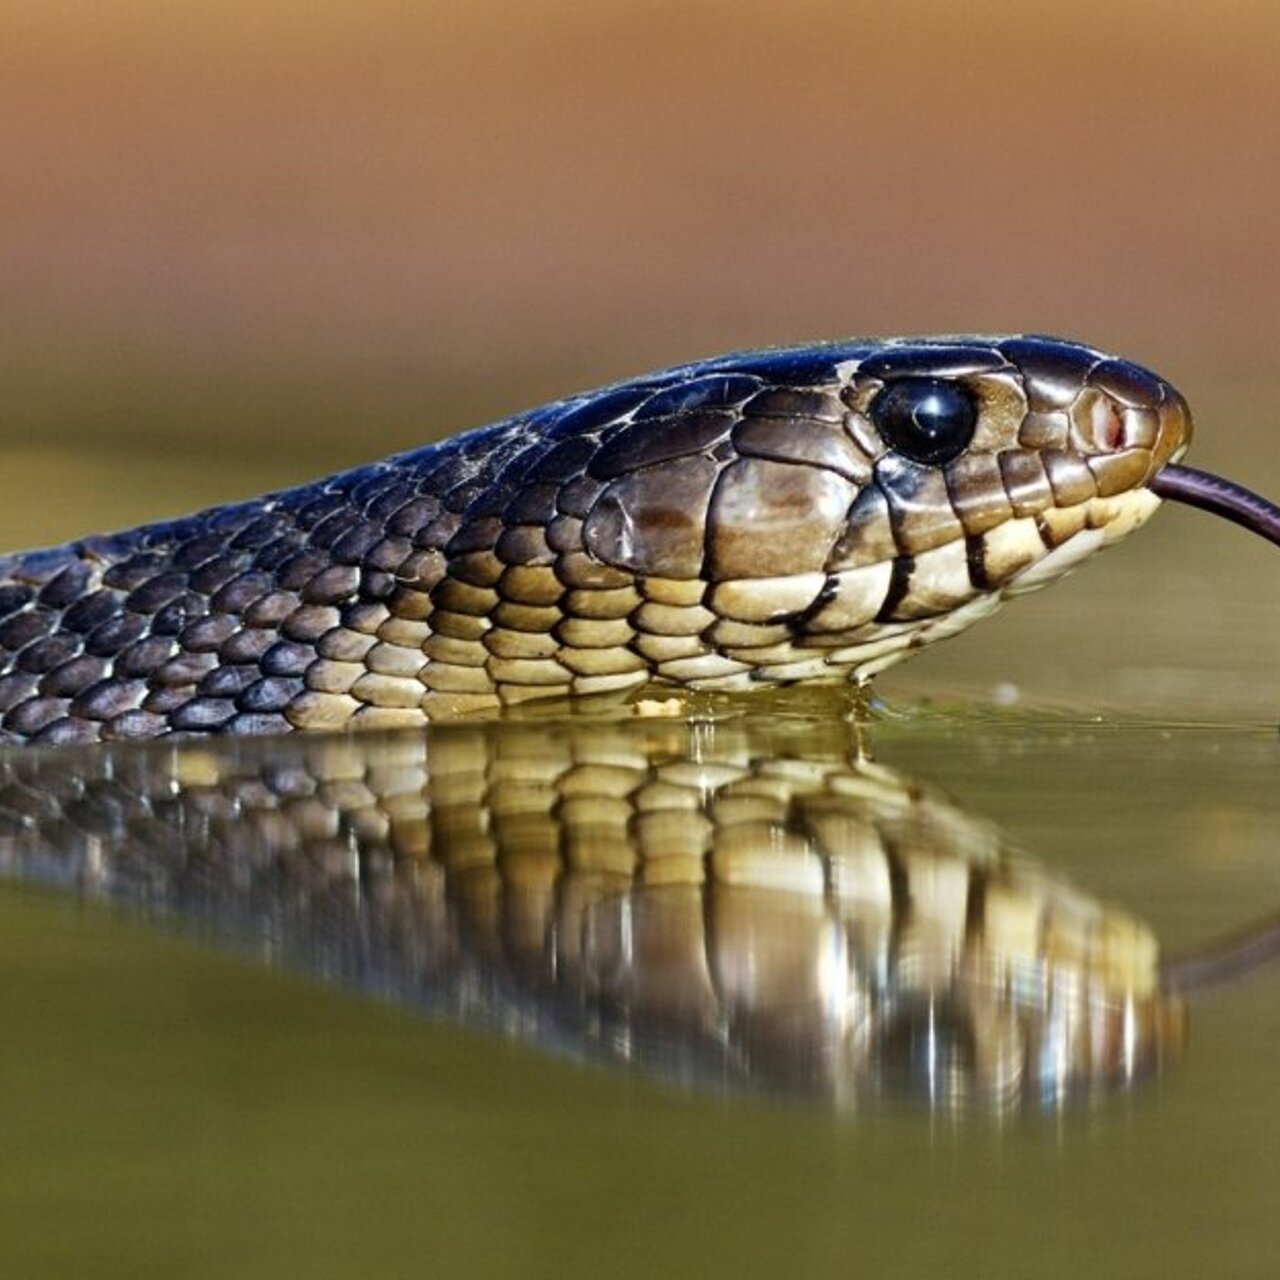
(1101, 523)
(1108, 521)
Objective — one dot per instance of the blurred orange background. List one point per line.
(243, 245)
(394, 219)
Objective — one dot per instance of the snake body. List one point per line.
(725, 524)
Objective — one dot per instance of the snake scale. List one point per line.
(762, 518)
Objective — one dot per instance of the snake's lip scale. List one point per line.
(812, 513)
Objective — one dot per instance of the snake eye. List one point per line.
(928, 420)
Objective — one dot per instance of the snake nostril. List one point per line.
(1098, 423)
(1107, 425)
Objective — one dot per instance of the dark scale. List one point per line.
(13, 596)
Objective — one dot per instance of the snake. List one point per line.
(813, 513)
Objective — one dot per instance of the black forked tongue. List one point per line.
(1221, 497)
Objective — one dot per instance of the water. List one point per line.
(172, 1106)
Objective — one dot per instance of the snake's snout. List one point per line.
(1127, 423)
(1175, 428)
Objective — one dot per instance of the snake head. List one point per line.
(995, 467)
(821, 511)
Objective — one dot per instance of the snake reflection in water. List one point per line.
(743, 905)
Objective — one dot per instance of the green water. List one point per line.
(165, 1110)
(170, 1110)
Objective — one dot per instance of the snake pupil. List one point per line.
(928, 420)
